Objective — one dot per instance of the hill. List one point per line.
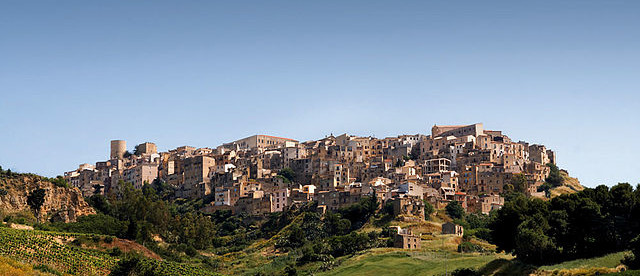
(570, 185)
(78, 254)
(61, 203)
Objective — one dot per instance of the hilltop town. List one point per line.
(263, 174)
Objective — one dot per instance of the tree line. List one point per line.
(592, 222)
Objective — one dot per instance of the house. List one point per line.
(403, 238)
(412, 206)
(452, 228)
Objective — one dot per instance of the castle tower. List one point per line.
(118, 148)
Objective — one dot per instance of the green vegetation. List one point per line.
(135, 264)
(58, 181)
(428, 210)
(288, 174)
(35, 199)
(19, 217)
(350, 241)
(454, 210)
(15, 268)
(633, 260)
(47, 248)
(586, 224)
(518, 184)
(56, 253)
(410, 263)
(554, 178)
(609, 261)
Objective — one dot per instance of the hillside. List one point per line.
(570, 185)
(77, 254)
(60, 203)
(9, 267)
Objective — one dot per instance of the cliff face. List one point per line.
(60, 203)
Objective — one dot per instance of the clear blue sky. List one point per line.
(76, 74)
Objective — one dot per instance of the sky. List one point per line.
(76, 74)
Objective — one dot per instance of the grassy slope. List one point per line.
(398, 262)
(9, 267)
(571, 185)
(608, 261)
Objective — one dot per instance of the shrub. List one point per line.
(467, 247)
(115, 252)
(454, 210)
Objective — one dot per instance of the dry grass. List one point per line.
(571, 185)
(9, 267)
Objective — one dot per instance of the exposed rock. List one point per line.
(60, 204)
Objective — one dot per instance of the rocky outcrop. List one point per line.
(60, 203)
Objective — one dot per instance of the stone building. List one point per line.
(412, 206)
(263, 142)
(405, 239)
(196, 176)
(452, 228)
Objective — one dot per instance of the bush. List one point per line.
(465, 272)
(467, 247)
(633, 260)
(116, 252)
(46, 269)
(20, 217)
(428, 210)
(92, 224)
(454, 210)
(190, 251)
(59, 181)
(481, 233)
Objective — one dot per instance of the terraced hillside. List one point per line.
(56, 250)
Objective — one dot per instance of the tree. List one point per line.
(334, 224)
(360, 212)
(35, 199)
(554, 178)
(455, 210)
(519, 182)
(288, 173)
(136, 150)
(428, 210)
(633, 261)
(59, 181)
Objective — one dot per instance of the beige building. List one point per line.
(405, 239)
(196, 175)
(457, 130)
(280, 200)
(263, 142)
(140, 174)
(146, 148)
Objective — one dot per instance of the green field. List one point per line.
(411, 263)
(608, 261)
